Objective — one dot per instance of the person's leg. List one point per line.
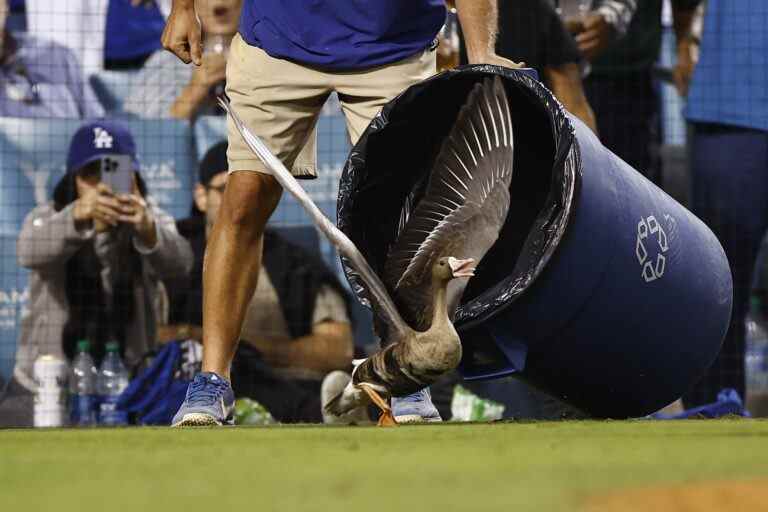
(729, 174)
(232, 263)
(280, 101)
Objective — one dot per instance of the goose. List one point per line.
(463, 208)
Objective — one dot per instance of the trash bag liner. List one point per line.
(588, 290)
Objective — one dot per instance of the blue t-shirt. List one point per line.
(341, 34)
(730, 84)
(132, 32)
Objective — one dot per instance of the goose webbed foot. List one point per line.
(387, 419)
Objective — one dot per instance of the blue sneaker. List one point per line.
(415, 408)
(210, 401)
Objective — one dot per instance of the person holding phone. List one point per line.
(96, 255)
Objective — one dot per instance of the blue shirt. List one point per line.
(132, 32)
(730, 84)
(341, 34)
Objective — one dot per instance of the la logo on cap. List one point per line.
(101, 138)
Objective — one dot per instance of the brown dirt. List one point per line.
(736, 496)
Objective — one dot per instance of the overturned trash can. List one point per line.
(601, 289)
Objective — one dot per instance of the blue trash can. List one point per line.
(601, 290)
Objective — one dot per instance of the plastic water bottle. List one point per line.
(756, 361)
(113, 379)
(82, 387)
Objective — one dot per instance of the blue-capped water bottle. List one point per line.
(82, 387)
(113, 379)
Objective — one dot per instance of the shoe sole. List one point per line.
(416, 418)
(196, 419)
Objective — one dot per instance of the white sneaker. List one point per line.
(333, 384)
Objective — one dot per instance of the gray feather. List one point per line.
(464, 207)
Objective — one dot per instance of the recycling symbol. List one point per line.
(651, 235)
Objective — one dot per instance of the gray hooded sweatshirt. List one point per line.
(47, 241)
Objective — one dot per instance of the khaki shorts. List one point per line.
(281, 100)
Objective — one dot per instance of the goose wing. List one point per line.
(381, 303)
(465, 203)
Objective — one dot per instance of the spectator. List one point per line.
(620, 86)
(96, 259)
(728, 111)
(297, 326)
(41, 78)
(166, 87)
(530, 31)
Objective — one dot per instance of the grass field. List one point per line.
(503, 466)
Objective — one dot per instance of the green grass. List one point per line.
(509, 466)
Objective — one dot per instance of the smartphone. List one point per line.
(117, 173)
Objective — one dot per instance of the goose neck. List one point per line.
(440, 313)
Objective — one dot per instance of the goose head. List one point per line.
(449, 268)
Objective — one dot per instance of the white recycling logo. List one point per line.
(653, 268)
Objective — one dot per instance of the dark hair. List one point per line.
(214, 162)
(90, 316)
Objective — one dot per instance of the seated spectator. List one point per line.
(166, 87)
(530, 31)
(96, 259)
(297, 327)
(41, 78)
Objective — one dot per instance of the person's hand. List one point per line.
(498, 60)
(686, 62)
(182, 35)
(212, 70)
(99, 207)
(138, 215)
(593, 34)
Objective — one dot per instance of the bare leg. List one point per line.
(232, 263)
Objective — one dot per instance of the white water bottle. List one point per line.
(82, 387)
(113, 379)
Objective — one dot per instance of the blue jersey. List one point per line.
(730, 84)
(341, 34)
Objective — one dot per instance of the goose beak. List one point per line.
(462, 268)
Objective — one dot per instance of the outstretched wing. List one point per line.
(466, 200)
(381, 303)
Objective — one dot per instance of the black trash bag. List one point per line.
(391, 163)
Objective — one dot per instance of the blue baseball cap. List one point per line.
(96, 139)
